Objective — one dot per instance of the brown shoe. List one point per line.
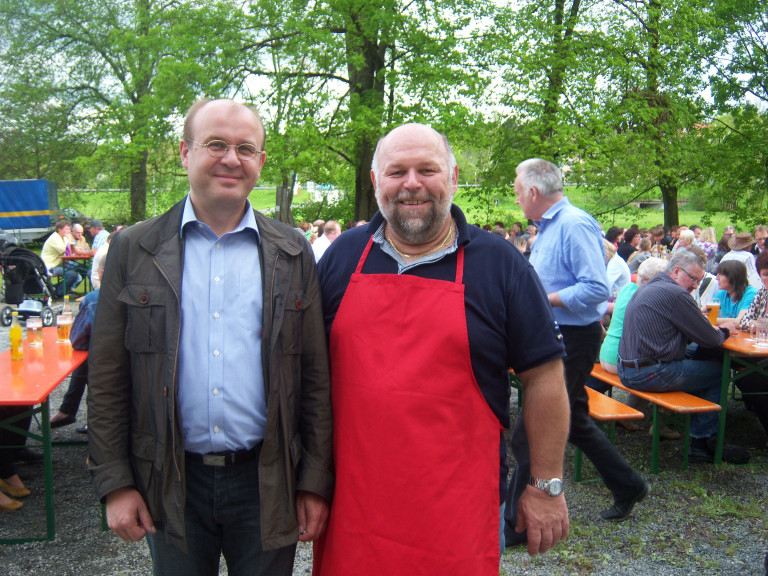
(629, 425)
(666, 433)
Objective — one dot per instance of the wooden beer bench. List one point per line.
(678, 407)
(606, 412)
(603, 409)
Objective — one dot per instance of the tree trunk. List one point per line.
(365, 66)
(283, 200)
(669, 195)
(365, 195)
(139, 188)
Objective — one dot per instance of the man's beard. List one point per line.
(415, 230)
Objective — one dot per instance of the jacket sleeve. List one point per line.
(109, 377)
(315, 421)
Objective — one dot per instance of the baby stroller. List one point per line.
(26, 284)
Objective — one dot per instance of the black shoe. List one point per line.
(82, 429)
(621, 510)
(64, 422)
(702, 451)
(27, 455)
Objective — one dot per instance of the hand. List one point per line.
(544, 517)
(312, 512)
(127, 514)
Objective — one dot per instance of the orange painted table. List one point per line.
(29, 382)
(740, 350)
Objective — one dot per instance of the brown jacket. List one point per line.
(134, 428)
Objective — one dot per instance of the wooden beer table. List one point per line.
(739, 351)
(29, 382)
(83, 267)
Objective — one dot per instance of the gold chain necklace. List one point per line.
(428, 252)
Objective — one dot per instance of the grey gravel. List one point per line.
(705, 521)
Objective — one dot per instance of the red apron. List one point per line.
(416, 445)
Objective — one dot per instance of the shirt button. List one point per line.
(218, 246)
(215, 429)
(216, 315)
(216, 352)
(216, 279)
(215, 391)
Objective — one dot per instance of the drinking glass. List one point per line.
(63, 326)
(713, 311)
(34, 331)
(762, 333)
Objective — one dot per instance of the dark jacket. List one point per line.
(134, 426)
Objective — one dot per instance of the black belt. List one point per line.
(225, 458)
(642, 363)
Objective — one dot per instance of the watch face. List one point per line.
(555, 487)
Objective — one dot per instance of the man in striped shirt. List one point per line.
(660, 321)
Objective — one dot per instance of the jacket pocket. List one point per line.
(291, 330)
(145, 318)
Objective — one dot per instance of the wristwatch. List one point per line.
(553, 487)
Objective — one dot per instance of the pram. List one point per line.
(26, 284)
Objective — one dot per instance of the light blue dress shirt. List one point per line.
(221, 382)
(569, 258)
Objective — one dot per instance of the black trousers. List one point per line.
(582, 345)
(10, 441)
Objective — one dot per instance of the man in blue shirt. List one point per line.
(568, 256)
(209, 405)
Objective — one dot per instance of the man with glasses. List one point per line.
(760, 234)
(659, 322)
(209, 405)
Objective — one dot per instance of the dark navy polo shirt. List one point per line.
(509, 320)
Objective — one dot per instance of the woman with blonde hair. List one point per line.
(708, 242)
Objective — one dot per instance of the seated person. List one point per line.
(659, 322)
(80, 335)
(78, 239)
(754, 386)
(641, 255)
(54, 248)
(609, 351)
(735, 294)
(617, 270)
(740, 245)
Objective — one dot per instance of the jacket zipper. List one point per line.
(173, 376)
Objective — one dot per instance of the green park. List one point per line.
(655, 102)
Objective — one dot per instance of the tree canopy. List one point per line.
(633, 98)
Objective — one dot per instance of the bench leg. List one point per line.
(655, 440)
(686, 440)
(577, 465)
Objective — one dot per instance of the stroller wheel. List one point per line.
(48, 316)
(6, 316)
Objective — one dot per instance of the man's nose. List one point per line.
(231, 156)
(412, 179)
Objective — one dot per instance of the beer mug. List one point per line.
(34, 331)
(63, 326)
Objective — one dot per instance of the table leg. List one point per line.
(48, 469)
(723, 408)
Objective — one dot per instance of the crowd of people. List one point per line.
(253, 385)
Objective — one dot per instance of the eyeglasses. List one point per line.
(693, 278)
(219, 149)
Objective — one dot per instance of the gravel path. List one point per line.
(706, 521)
